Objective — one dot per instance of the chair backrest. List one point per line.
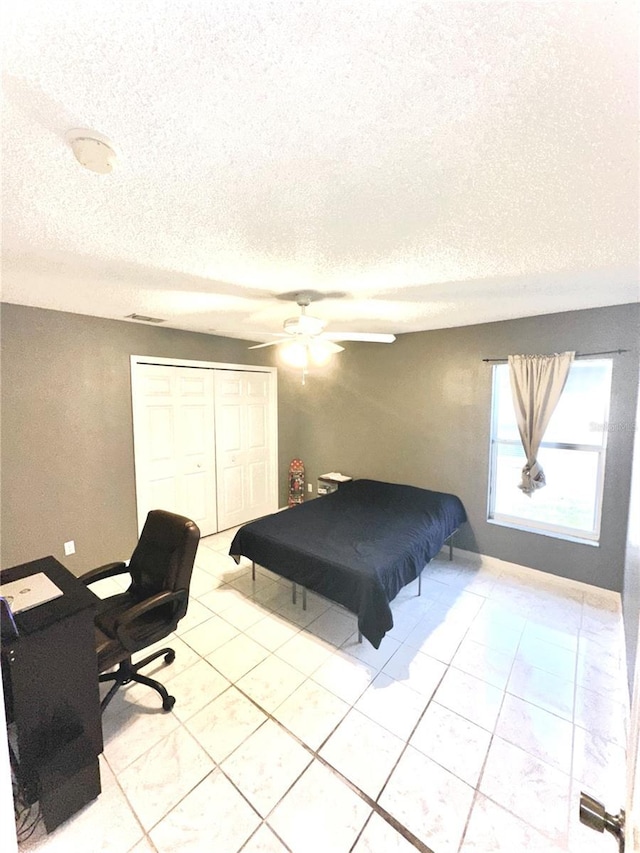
(164, 556)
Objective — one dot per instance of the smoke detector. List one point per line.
(92, 150)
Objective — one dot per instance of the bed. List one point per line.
(357, 546)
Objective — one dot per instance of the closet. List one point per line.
(205, 440)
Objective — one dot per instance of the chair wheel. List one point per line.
(168, 704)
(170, 656)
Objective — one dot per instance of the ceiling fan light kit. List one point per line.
(294, 354)
(304, 352)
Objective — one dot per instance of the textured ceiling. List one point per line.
(441, 163)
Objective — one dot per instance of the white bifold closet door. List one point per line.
(205, 443)
(174, 443)
(244, 446)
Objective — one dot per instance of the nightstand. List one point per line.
(331, 482)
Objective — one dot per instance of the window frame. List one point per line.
(558, 531)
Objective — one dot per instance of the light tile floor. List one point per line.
(498, 695)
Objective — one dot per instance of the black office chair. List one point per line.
(150, 609)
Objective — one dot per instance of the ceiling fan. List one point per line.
(305, 341)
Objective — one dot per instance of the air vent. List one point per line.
(143, 318)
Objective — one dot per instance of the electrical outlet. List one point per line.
(309, 487)
(69, 548)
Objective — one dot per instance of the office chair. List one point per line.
(150, 609)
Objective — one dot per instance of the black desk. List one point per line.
(50, 681)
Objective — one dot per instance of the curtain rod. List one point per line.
(578, 355)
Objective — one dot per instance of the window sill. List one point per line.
(554, 534)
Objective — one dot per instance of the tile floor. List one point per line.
(496, 697)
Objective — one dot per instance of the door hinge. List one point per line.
(594, 815)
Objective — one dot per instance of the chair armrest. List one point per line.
(109, 570)
(159, 600)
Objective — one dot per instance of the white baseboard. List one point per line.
(608, 598)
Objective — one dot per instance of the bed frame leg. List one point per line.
(359, 637)
(304, 598)
(450, 550)
(293, 593)
(253, 570)
(420, 584)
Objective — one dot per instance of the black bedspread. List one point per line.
(357, 546)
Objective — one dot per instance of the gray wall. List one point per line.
(67, 441)
(418, 412)
(631, 591)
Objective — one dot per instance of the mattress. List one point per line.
(357, 546)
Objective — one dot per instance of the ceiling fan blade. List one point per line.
(325, 344)
(366, 337)
(269, 344)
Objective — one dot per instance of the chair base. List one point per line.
(128, 671)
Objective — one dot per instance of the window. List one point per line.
(572, 456)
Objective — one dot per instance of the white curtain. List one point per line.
(536, 385)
